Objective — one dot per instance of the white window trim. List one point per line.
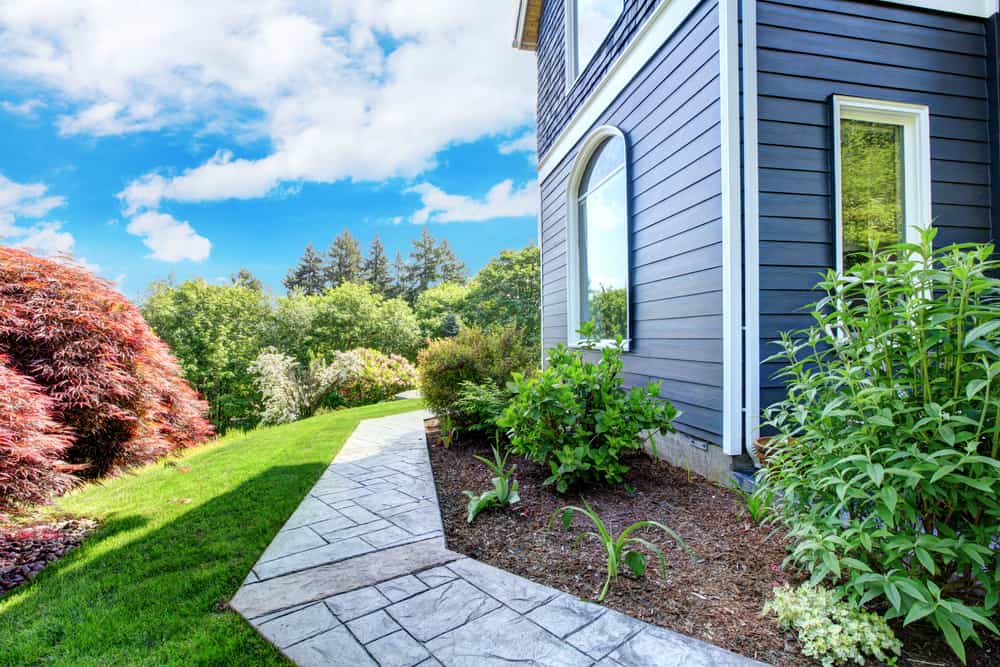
(574, 68)
(580, 163)
(915, 121)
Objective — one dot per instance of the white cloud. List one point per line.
(526, 143)
(502, 201)
(170, 239)
(25, 108)
(363, 90)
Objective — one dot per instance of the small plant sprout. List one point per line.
(757, 504)
(618, 548)
(447, 431)
(504, 491)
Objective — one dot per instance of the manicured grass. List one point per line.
(177, 538)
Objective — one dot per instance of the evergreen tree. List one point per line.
(344, 260)
(449, 326)
(376, 270)
(400, 277)
(307, 276)
(245, 278)
(432, 263)
(450, 268)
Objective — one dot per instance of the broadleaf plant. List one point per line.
(886, 447)
(504, 491)
(622, 549)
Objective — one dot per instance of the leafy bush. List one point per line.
(111, 380)
(292, 391)
(481, 405)
(504, 491)
(439, 308)
(352, 316)
(887, 442)
(830, 630)
(575, 417)
(32, 444)
(507, 292)
(215, 331)
(379, 377)
(473, 356)
(615, 546)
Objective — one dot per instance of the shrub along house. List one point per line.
(701, 162)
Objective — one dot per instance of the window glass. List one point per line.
(594, 19)
(871, 186)
(603, 237)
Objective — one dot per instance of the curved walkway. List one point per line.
(359, 575)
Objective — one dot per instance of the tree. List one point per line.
(113, 383)
(431, 263)
(343, 260)
(434, 305)
(400, 277)
(375, 269)
(507, 291)
(245, 278)
(216, 331)
(450, 268)
(353, 316)
(307, 276)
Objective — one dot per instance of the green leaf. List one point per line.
(636, 562)
(876, 472)
(983, 329)
(892, 594)
(950, 634)
(926, 560)
(918, 611)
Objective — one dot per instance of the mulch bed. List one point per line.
(716, 596)
(26, 550)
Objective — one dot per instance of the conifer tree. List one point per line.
(343, 260)
(450, 268)
(375, 269)
(245, 278)
(307, 276)
(400, 277)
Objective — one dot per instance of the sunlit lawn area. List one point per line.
(150, 586)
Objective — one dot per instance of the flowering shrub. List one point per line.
(378, 377)
(830, 630)
(575, 417)
(291, 391)
(31, 443)
(887, 445)
(110, 379)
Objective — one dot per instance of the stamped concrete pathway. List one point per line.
(359, 575)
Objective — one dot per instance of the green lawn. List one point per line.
(150, 586)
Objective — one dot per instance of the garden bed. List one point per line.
(715, 596)
(26, 550)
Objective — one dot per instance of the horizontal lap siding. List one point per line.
(810, 50)
(670, 116)
(556, 106)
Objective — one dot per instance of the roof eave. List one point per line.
(526, 31)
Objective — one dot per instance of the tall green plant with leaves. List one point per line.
(504, 491)
(887, 445)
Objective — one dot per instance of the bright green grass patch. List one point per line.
(150, 586)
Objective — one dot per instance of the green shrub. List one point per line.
(575, 417)
(379, 378)
(473, 356)
(481, 405)
(830, 630)
(887, 442)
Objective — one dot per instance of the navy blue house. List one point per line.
(702, 161)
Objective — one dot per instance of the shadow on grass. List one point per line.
(159, 597)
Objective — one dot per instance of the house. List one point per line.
(702, 161)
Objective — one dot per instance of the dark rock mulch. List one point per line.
(716, 596)
(26, 550)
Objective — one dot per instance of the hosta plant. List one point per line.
(576, 417)
(622, 549)
(887, 444)
(831, 630)
(504, 491)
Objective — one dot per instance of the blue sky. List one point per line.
(207, 140)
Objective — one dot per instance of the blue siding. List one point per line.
(670, 116)
(809, 50)
(556, 105)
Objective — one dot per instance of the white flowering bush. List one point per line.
(831, 630)
(290, 391)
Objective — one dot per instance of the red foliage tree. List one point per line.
(112, 381)
(31, 443)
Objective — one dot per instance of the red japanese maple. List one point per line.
(112, 381)
(31, 443)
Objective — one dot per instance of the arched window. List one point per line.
(598, 239)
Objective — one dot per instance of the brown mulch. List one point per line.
(716, 595)
(26, 550)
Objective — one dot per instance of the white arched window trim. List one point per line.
(573, 306)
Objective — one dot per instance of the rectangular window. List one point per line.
(882, 173)
(587, 24)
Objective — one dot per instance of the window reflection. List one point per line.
(871, 186)
(594, 18)
(603, 235)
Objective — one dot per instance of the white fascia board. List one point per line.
(653, 34)
(751, 229)
(980, 8)
(522, 16)
(732, 220)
